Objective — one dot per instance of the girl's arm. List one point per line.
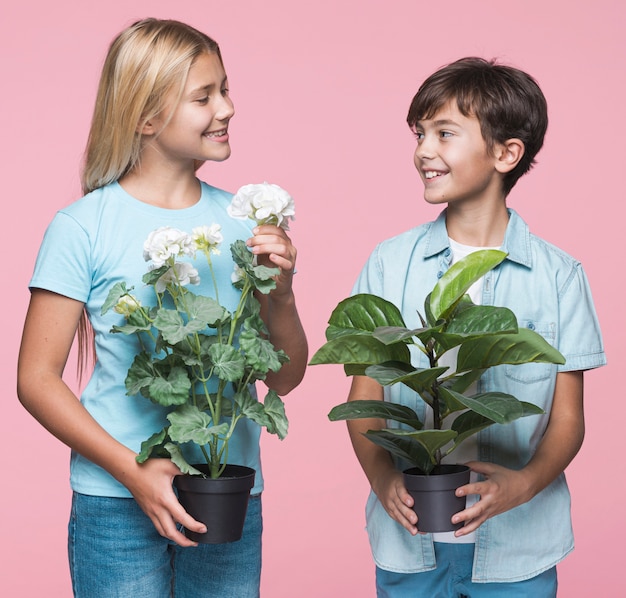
(49, 331)
(505, 488)
(278, 309)
(386, 481)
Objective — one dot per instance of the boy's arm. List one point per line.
(504, 489)
(386, 481)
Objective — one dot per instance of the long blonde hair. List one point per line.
(145, 62)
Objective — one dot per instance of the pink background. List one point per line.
(321, 91)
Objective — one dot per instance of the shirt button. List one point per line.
(439, 274)
(447, 252)
(530, 326)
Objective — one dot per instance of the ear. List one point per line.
(146, 128)
(508, 155)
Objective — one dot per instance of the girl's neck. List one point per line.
(162, 188)
(479, 225)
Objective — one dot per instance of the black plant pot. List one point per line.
(435, 501)
(220, 503)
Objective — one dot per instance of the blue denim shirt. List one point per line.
(549, 293)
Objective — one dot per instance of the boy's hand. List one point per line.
(274, 248)
(502, 490)
(397, 501)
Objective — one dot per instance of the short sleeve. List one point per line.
(63, 264)
(580, 339)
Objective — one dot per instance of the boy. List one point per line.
(478, 126)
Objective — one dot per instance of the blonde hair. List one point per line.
(145, 62)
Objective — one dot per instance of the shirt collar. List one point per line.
(516, 239)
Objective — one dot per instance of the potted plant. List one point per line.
(368, 336)
(199, 360)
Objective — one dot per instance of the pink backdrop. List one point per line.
(321, 91)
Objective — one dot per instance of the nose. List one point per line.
(226, 109)
(425, 147)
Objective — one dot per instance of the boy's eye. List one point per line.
(445, 134)
(419, 135)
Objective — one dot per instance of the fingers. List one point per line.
(397, 502)
(273, 242)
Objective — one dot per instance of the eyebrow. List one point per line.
(445, 122)
(209, 87)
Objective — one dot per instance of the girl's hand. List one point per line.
(502, 490)
(398, 503)
(274, 249)
(151, 485)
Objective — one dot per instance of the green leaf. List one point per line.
(205, 310)
(260, 354)
(362, 313)
(262, 277)
(499, 407)
(418, 448)
(475, 321)
(467, 424)
(154, 446)
(526, 346)
(389, 335)
(136, 322)
(150, 278)
(419, 380)
(462, 382)
(229, 364)
(172, 326)
(375, 409)
(275, 410)
(171, 389)
(140, 374)
(118, 290)
(189, 424)
(359, 349)
(177, 458)
(455, 282)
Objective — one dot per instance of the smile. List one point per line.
(431, 174)
(219, 133)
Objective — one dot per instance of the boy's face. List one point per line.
(454, 161)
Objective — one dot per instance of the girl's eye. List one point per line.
(225, 91)
(203, 101)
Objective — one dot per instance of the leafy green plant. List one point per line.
(367, 334)
(197, 357)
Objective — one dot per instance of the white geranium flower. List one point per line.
(127, 305)
(264, 203)
(237, 275)
(207, 238)
(166, 242)
(181, 273)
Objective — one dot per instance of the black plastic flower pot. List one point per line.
(220, 503)
(434, 499)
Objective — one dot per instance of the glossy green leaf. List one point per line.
(526, 346)
(375, 409)
(456, 281)
(362, 313)
(359, 349)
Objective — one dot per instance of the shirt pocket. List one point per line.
(528, 373)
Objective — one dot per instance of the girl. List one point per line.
(162, 109)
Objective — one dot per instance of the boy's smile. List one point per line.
(453, 159)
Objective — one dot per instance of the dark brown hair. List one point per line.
(507, 102)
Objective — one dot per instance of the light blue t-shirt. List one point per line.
(93, 244)
(549, 293)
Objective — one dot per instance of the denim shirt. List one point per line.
(549, 293)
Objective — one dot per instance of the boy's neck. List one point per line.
(478, 225)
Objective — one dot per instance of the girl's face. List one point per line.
(195, 129)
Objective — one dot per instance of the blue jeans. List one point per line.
(115, 552)
(453, 579)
